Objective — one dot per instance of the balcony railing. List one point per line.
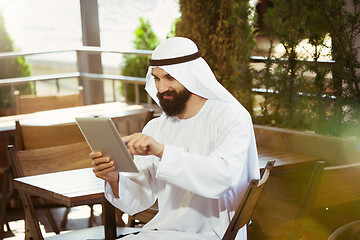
(80, 53)
(80, 75)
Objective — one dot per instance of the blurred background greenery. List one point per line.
(309, 78)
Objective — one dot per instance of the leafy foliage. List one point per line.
(286, 23)
(321, 103)
(137, 66)
(344, 28)
(11, 68)
(300, 94)
(223, 32)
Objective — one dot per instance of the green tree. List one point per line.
(243, 43)
(345, 30)
(337, 116)
(328, 105)
(263, 80)
(223, 32)
(285, 20)
(11, 68)
(319, 102)
(137, 66)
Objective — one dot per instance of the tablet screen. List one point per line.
(102, 136)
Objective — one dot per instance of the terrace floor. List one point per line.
(77, 219)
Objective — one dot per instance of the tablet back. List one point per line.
(102, 136)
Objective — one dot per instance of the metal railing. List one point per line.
(83, 51)
(80, 53)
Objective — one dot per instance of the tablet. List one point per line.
(102, 136)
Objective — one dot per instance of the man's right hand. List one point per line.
(104, 168)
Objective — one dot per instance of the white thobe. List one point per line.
(207, 164)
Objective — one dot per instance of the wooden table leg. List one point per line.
(110, 221)
(4, 201)
(32, 228)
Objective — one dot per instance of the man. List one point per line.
(196, 159)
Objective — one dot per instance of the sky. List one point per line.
(35, 24)
(56, 24)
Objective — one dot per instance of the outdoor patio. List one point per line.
(298, 78)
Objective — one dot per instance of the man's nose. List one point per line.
(162, 86)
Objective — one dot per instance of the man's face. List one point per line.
(172, 95)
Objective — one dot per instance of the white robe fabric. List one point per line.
(207, 164)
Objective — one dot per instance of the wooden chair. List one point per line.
(46, 160)
(34, 136)
(348, 231)
(337, 185)
(5, 195)
(333, 150)
(28, 163)
(44, 136)
(133, 124)
(246, 207)
(143, 217)
(31, 103)
(243, 216)
(281, 207)
(6, 188)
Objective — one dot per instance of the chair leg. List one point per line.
(2, 232)
(8, 232)
(65, 218)
(119, 220)
(92, 216)
(52, 220)
(4, 201)
(32, 229)
(131, 221)
(50, 217)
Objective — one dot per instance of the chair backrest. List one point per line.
(331, 186)
(31, 103)
(246, 207)
(44, 136)
(303, 209)
(348, 231)
(338, 185)
(47, 160)
(333, 150)
(133, 123)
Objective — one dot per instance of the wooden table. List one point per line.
(284, 160)
(71, 188)
(114, 110)
(79, 187)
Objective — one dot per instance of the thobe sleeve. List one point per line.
(137, 191)
(210, 176)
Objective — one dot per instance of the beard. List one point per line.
(176, 105)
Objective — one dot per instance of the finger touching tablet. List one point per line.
(102, 136)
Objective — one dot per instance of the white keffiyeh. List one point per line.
(195, 75)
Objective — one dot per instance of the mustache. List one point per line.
(166, 93)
